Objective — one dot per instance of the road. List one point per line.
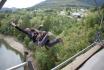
(95, 63)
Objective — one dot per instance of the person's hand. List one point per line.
(13, 24)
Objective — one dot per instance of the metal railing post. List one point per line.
(2, 3)
(25, 59)
(30, 65)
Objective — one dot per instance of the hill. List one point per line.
(67, 3)
(8, 10)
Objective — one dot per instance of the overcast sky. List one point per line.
(21, 3)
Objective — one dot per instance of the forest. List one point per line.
(76, 34)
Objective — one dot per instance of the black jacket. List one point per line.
(29, 33)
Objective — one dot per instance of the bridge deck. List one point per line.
(82, 58)
(95, 63)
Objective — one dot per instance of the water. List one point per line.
(8, 57)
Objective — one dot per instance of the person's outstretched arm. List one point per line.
(22, 30)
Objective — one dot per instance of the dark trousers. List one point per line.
(48, 42)
(52, 42)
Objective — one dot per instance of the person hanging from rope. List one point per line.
(39, 37)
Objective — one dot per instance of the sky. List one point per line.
(21, 3)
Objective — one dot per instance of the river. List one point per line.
(9, 57)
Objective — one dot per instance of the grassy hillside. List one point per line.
(68, 3)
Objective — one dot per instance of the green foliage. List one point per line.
(45, 60)
(75, 34)
(31, 46)
(26, 41)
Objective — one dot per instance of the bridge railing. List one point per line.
(17, 66)
(26, 64)
(29, 64)
(63, 64)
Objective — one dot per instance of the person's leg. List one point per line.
(54, 42)
(44, 40)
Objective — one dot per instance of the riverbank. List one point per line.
(12, 42)
(15, 44)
